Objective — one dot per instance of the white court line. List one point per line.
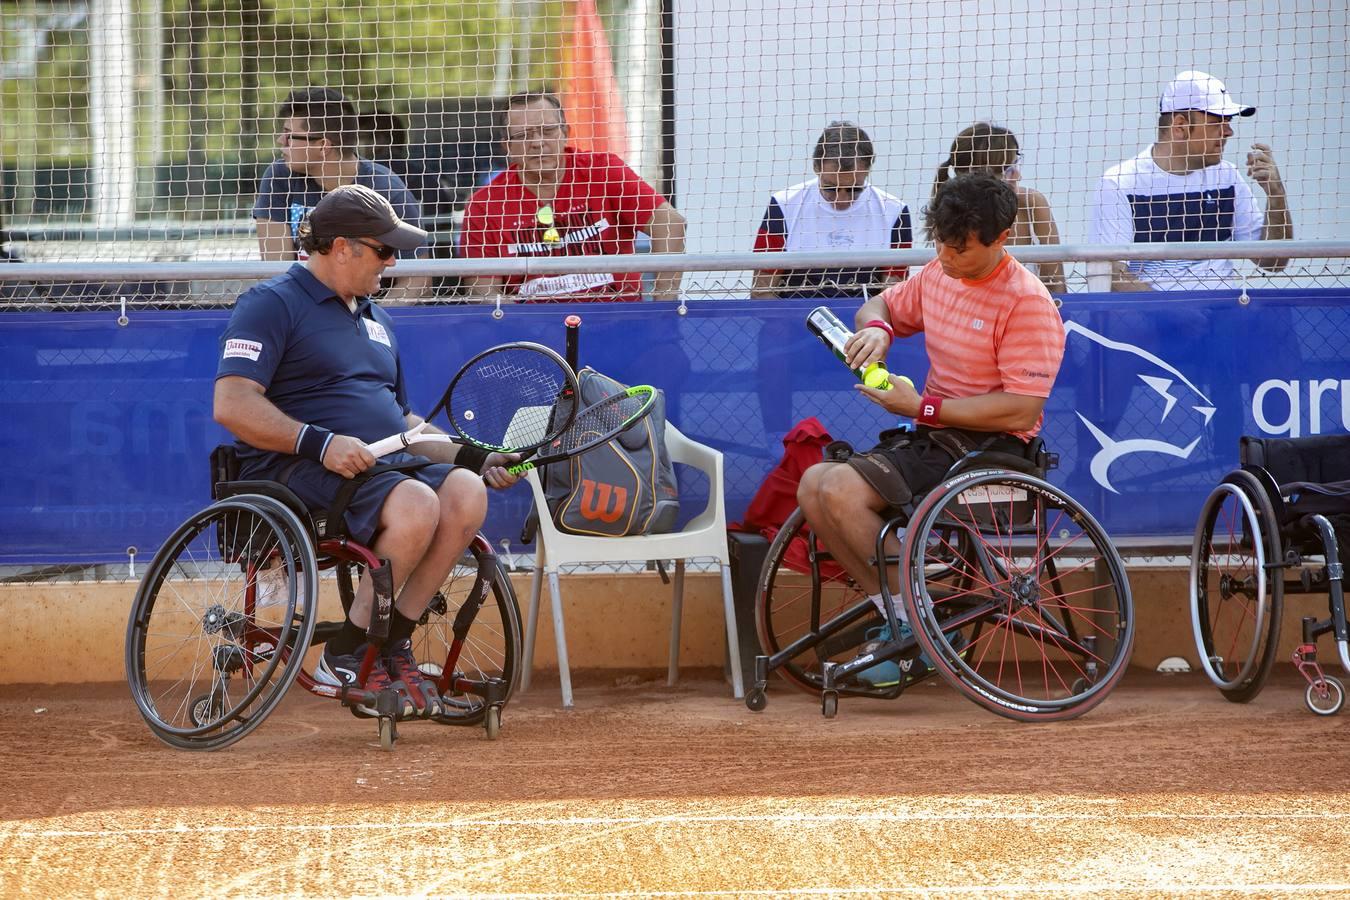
(949, 889)
(616, 821)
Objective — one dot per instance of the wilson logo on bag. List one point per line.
(595, 503)
(621, 488)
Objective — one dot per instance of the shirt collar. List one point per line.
(317, 291)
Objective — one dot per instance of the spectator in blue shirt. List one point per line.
(320, 131)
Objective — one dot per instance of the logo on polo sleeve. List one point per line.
(246, 349)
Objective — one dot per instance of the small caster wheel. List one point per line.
(492, 722)
(1326, 702)
(829, 704)
(756, 700)
(388, 733)
(204, 711)
(1079, 686)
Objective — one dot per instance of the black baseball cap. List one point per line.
(355, 210)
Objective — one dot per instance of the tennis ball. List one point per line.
(878, 378)
(905, 379)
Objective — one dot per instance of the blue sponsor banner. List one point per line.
(107, 429)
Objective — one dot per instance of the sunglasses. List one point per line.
(383, 251)
(289, 136)
(544, 216)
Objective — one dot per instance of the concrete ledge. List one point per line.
(74, 633)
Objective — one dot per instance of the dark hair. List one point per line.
(846, 144)
(311, 244)
(525, 98)
(325, 112)
(387, 133)
(976, 203)
(983, 148)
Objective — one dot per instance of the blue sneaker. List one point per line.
(883, 674)
(887, 674)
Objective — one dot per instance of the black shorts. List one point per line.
(906, 464)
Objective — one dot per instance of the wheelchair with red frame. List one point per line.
(228, 611)
(1275, 525)
(1014, 595)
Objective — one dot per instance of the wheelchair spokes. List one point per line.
(1013, 554)
(1235, 600)
(469, 639)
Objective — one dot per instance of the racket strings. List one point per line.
(506, 399)
(604, 418)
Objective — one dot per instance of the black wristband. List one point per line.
(312, 442)
(471, 458)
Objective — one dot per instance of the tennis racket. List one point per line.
(595, 425)
(512, 398)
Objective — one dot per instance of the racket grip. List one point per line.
(395, 441)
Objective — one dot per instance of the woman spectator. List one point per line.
(993, 150)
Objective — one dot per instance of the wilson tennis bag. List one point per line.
(621, 488)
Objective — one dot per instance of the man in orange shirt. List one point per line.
(995, 341)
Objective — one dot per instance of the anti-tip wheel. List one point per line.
(756, 700)
(388, 733)
(492, 722)
(1331, 703)
(829, 704)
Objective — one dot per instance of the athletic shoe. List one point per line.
(337, 669)
(883, 674)
(402, 666)
(887, 674)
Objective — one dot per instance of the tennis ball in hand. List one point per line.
(878, 378)
(905, 379)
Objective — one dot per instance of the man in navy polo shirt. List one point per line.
(309, 374)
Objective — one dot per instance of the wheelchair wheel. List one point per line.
(213, 633)
(1236, 601)
(1017, 595)
(800, 587)
(491, 647)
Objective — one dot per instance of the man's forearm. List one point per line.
(1279, 226)
(874, 308)
(992, 412)
(409, 289)
(484, 287)
(1122, 279)
(254, 419)
(765, 284)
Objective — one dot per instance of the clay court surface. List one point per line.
(643, 789)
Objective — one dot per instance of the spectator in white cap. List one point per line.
(1181, 189)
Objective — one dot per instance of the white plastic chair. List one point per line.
(705, 536)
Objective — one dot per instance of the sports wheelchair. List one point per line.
(1016, 595)
(1272, 526)
(228, 610)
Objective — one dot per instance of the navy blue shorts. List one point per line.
(317, 487)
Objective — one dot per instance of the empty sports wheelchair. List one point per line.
(1275, 525)
(228, 611)
(1017, 598)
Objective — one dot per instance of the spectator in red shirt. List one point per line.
(554, 200)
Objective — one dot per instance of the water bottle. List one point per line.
(824, 324)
